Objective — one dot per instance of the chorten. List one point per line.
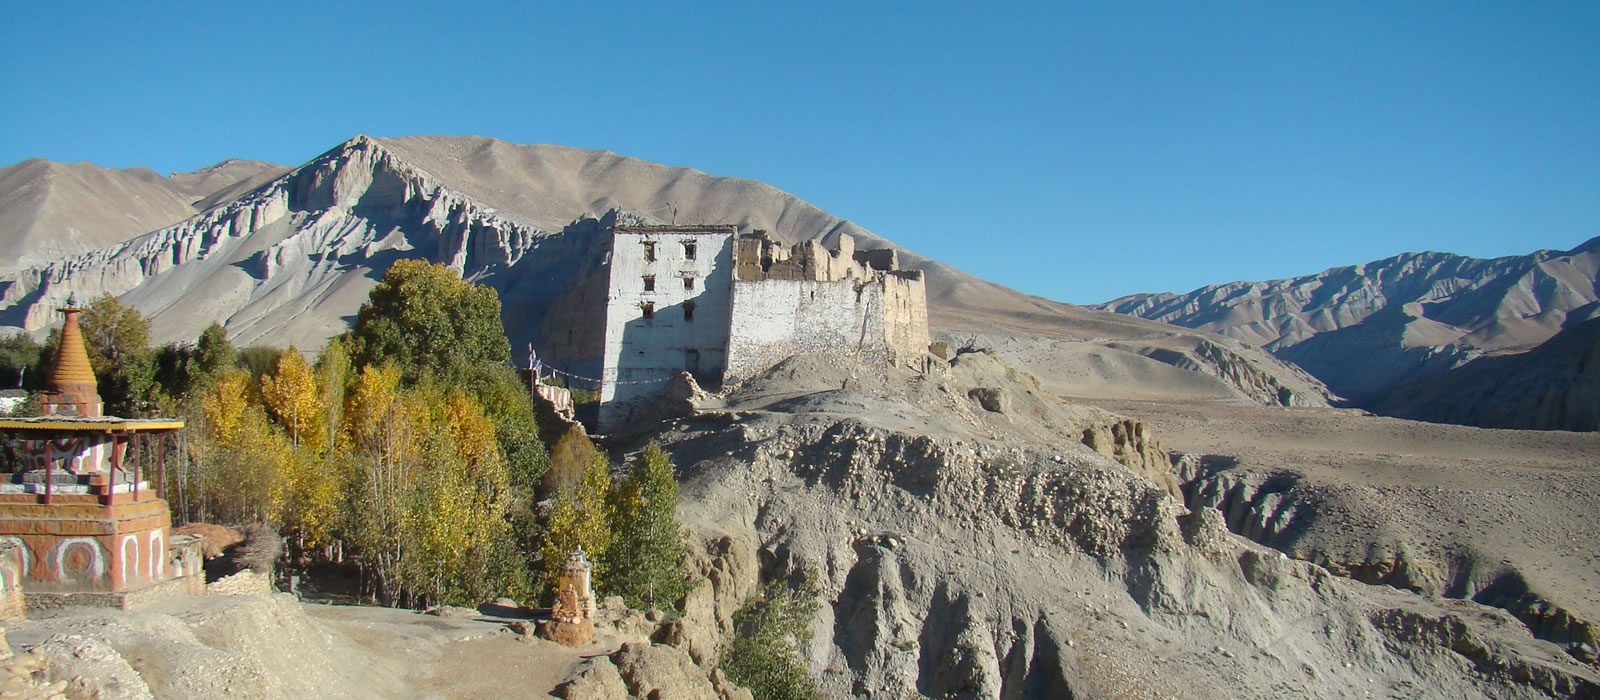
(85, 522)
(72, 389)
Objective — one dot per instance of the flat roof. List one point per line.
(679, 228)
(104, 424)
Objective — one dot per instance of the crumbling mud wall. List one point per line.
(805, 299)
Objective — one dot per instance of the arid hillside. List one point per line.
(290, 261)
(1368, 330)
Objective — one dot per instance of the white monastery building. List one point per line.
(723, 307)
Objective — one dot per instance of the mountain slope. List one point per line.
(1553, 386)
(1366, 329)
(291, 261)
(52, 210)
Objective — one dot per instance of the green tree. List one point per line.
(259, 360)
(174, 369)
(424, 317)
(505, 400)
(649, 544)
(118, 342)
(333, 377)
(213, 352)
(19, 355)
(770, 629)
(581, 515)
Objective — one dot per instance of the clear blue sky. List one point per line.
(1078, 151)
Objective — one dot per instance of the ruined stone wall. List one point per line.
(905, 314)
(807, 300)
(776, 319)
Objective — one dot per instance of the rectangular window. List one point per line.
(688, 283)
(688, 250)
(649, 251)
(688, 311)
(648, 309)
(649, 283)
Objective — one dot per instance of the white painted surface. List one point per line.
(641, 353)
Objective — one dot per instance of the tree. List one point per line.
(290, 395)
(118, 342)
(581, 515)
(244, 463)
(424, 317)
(379, 428)
(649, 544)
(260, 360)
(770, 630)
(505, 400)
(333, 376)
(19, 355)
(213, 352)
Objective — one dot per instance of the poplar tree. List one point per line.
(649, 543)
(581, 515)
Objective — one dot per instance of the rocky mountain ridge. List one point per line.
(51, 210)
(1365, 330)
(291, 259)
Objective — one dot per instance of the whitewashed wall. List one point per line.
(779, 318)
(648, 350)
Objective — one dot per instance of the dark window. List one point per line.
(649, 283)
(649, 309)
(688, 311)
(688, 283)
(688, 250)
(649, 251)
(691, 361)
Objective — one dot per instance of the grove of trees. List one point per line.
(406, 446)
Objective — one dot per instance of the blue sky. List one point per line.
(1078, 151)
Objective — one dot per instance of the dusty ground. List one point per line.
(465, 657)
(272, 646)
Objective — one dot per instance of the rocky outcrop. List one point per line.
(278, 262)
(55, 210)
(1132, 443)
(643, 670)
(725, 574)
(1365, 330)
(975, 568)
(1277, 510)
(1230, 366)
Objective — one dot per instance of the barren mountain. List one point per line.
(53, 210)
(974, 534)
(1365, 330)
(1553, 386)
(291, 260)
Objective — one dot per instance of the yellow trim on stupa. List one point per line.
(72, 360)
